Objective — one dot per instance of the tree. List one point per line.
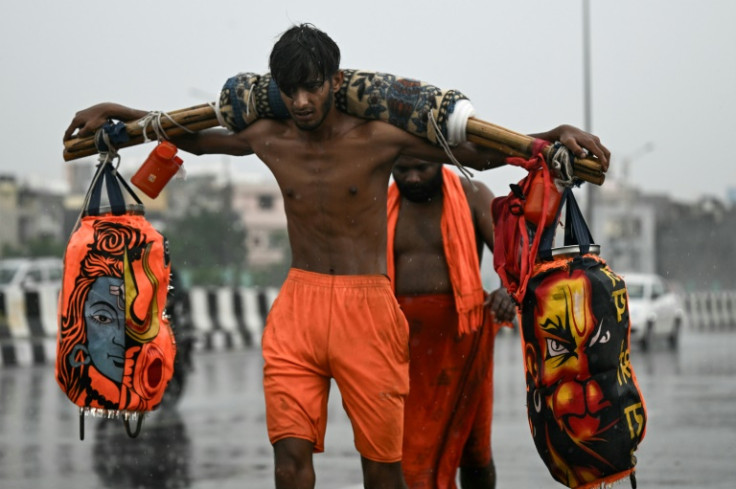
(209, 244)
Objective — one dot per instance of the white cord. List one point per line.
(153, 119)
(444, 145)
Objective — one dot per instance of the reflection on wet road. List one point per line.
(216, 436)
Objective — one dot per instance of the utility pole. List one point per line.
(587, 111)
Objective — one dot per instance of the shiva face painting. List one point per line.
(104, 312)
(115, 348)
(574, 346)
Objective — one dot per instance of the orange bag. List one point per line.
(115, 348)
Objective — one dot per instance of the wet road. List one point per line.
(216, 436)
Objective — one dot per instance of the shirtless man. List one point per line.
(438, 226)
(336, 316)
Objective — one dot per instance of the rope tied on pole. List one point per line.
(153, 119)
(446, 147)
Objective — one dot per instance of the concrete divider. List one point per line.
(711, 310)
(230, 318)
(219, 318)
(28, 325)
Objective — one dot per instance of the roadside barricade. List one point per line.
(231, 318)
(220, 318)
(708, 311)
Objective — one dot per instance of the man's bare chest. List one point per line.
(418, 230)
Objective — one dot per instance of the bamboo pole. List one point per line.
(196, 118)
(586, 173)
(70, 155)
(200, 117)
(480, 132)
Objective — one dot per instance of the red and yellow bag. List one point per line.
(115, 348)
(586, 413)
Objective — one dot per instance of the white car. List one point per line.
(654, 309)
(29, 272)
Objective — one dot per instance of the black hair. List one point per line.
(303, 54)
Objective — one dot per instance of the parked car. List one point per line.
(655, 310)
(29, 272)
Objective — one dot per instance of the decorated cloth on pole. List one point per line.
(409, 104)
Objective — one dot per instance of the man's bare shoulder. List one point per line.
(267, 126)
(477, 192)
(375, 129)
(266, 131)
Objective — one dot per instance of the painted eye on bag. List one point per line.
(102, 315)
(600, 336)
(102, 319)
(556, 348)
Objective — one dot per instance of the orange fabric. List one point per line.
(458, 237)
(448, 412)
(116, 277)
(350, 328)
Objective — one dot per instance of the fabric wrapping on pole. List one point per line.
(403, 102)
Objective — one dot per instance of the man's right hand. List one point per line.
(87, 121)
(499, 302)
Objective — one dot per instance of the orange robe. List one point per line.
(447, 420)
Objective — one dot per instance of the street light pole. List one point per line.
(587, 118)
(587, 113)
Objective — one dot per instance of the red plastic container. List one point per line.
(157, 170)
(533, 207)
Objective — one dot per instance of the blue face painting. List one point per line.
(104, 312)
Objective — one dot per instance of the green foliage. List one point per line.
(46, 246)
(208, 243)
(271, 276)
(35, 247)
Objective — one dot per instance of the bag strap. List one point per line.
(114, 184)
(576, 229)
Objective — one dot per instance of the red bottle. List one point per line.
(533, 207)
(157, 170)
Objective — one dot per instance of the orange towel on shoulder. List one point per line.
(458, 237)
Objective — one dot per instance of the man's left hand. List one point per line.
(501, 305)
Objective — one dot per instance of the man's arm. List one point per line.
(581, 143)
(88, 120)
(481, 158)
(212, 141)
(480, 199)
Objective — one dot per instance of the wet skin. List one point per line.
(421, 266)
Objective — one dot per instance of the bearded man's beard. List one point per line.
(422, 192)
(325, 110)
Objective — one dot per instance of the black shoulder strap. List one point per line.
(576, 229)
(114, 184)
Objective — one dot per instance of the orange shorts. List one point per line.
(346, 327)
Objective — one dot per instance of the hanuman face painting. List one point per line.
(585, 410)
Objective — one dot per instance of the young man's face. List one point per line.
(310, 102)
(417, 180)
